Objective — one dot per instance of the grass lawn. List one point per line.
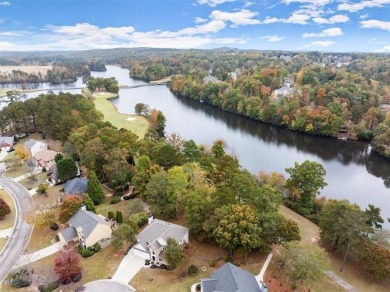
(136, 124)
(9, 220)
(28, 183)
(352, 274)
(17, 171)
(40, 238)
(127, 208)
(3, 241)
(200, 254)
(162, 80)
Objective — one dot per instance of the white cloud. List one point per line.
(14, 33)
(364, 16)
(353, 7)
(272, 38)
(200, 20)
(333, 19)
(297, 18)
(242, 17)
(331, 32)
(385, 49)
(7, 46)
(248, 4)
(213, 3)
(319, 44)
(376, 24)
(313, 2)
(375, 41)
(5, 3)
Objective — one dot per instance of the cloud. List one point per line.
(14, 33)
(333, 19)
(312, 2)
(199, 20)
(7, 46)
(320, 44)
(364, 16)
(376, 24)
(331, 32)
(385, 49)
(5, 3)
(248, 4)
(213, 3)
(272, 38)
(295, 18)
(353, 7)
(239, 18)
(375, 41)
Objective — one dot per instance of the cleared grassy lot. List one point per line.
(9, 220)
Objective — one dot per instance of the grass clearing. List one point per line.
(40, 238)
(30, 183)
(9, 220)
(162, 80)
(352, 274)
(136, 124)
(27, 69)
(127, 208)
(3, 241)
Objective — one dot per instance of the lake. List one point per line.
(354, 172)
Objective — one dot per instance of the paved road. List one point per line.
(21, 233)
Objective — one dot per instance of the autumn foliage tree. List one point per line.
(4, 209)
(22, 152)
(69, 207)
(67, 265)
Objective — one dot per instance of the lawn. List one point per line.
(40, 238)
(3, 241)
(200, 254)
(127, 208)
(9, 220)
(17, 171)
(29, 183)
(136, 124)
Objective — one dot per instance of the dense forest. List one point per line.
(204, 185)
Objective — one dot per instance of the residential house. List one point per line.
(87, 228)
(283, 91)
(230, 278)
(211, 79)
(45, 159)
(152, 241)
(77, 185)
(6, 143)
(34, 146)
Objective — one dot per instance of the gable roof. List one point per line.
(69, 233)
(45, 157)
(6, 141)
(87, 221)
(31, 142)
(158, 231)
(76, 186)
(230, 278)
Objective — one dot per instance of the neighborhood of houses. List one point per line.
(88, 229)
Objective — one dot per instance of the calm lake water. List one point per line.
(353, 171)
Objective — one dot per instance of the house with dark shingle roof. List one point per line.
(6, 142)
(87, 228)
(75, 186)
(152, 241)
(230, 278)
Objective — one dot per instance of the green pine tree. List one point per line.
(89, 203)
(94, 189)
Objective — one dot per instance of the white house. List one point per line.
(152, 241)
(34, 146)
(86, 227)
(6, 142)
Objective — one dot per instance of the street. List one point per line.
(21, 233)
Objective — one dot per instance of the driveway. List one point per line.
(21, 231)
(36, 256)
(129, 267)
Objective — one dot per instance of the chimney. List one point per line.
(150, 218)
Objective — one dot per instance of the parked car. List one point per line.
(11, 149)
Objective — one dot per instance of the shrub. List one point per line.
(212, 263)
(42, 189)
(44, 169)
(193, 270)
(86, 253)
(115, 200)
(97, 247)
(110, 215)
(139, 219)
(77, 277)
(49, 287)
(129, 197)
(118, 193)
(54, 226)
(21, 278)
(183, 274)
(119, 217)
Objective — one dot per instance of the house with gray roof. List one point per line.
(34, 146)
(152, 241)
(211, 79)
(230, 278)
(77, 185)
(86, 227)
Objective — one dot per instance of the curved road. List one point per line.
(21, 233)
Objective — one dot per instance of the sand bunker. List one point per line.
(131, 119)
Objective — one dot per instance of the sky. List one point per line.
(291, 25)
